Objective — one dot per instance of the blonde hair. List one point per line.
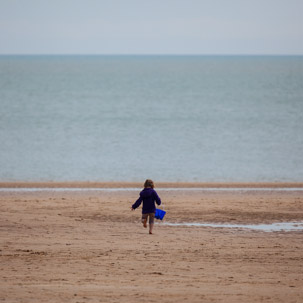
(149, 183)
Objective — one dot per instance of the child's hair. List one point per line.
(149, 183)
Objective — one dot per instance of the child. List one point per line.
(149, 196)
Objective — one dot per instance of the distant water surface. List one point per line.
(170, 118)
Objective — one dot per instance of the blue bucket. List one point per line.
(160, 214)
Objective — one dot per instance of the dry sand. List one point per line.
(87, 246)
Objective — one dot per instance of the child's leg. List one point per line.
(151, 222)
(151, 226)
(144, 219)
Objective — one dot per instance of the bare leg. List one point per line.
(151, 225)
(144, 221)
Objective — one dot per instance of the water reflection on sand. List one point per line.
(282, 226)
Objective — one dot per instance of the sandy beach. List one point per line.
(86, 245)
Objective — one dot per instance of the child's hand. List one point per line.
(132, 208)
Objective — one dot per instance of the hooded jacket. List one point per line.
(148, 196)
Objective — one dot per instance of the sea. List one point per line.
(168, 118)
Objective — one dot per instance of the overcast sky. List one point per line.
(151, 26)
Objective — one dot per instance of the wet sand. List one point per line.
(87, 246)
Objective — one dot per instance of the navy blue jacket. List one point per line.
(148, 196)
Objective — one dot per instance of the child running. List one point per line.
(148, 196)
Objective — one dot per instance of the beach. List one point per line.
(80, 242)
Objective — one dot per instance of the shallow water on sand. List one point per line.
(282, 226)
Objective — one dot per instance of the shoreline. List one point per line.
(114, 184)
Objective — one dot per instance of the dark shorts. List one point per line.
(151, 217)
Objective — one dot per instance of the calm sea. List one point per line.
(169, 118)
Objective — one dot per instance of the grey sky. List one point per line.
(151, 27)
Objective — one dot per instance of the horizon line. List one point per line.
(151, 54)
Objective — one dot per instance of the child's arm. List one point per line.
(157, 198)
(137, 203)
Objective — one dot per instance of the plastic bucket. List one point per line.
(160, 214)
